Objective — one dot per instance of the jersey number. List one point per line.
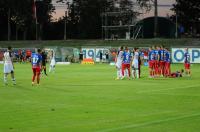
(35, 60)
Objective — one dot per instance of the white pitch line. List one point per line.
(149, 123)
(157, 90)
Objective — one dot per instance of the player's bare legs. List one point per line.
(44, 69)
(151, 72)
(123, 69)
(137, 73)
(13, 77)
(52, 69)
(118, 73)
(5, 78)
(133, 73)
(38, 78)
(188, 72)
(33, 78)
(129, 72)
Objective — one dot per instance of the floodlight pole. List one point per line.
(65, 30)
(8, 24)
(156, 18)
(176, 35)
(36, 21)
(66, 15)
(36, 29)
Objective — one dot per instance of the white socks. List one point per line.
(6, 81)
(5, 78)
(135, 73)
(119, 74)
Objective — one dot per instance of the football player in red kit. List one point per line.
(167, 63)
(126, 64)
(36, 60)
(187, 62)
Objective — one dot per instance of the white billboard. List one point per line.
(178, 55)
(94, 53)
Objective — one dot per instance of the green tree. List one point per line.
(188, 13)
(20, 16)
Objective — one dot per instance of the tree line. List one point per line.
(83, 20)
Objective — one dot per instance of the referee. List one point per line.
(44, 61)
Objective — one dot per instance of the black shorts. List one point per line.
(43, 63)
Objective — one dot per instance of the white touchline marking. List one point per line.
(149, 123)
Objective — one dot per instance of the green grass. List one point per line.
(88, 99)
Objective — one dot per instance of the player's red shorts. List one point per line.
(162, 64)
(125, 66)
(187, 66)
(151, 64)
(36, 70)
(156, 63)
(167, 65)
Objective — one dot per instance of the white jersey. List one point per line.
(136, 56)
(8, 66)
(119, 59)
(135, 62)
(7, 58)
(53, 60)
(120, 56)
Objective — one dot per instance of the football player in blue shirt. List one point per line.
(161, 61)
(126, 62)
(151, 61)
(187, 62)
(167, 59)
(36, 60)
(156, 50)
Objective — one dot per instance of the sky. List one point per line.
(162, 11)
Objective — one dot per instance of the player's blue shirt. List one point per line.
(187, 58)
(126, 57)
(167, 56)
(156, 54)
(141, 54)
(162, 55)
(151, 55)
(36, 59)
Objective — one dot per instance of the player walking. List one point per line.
(135, 64)
(118, 63)
(36, 61)
(53, 62)
(44, 60)
(8, 66)
(126, 62)
(187, 62)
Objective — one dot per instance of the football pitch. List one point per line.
(86, 98)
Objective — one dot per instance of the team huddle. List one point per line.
(159, 62)
(38, 61)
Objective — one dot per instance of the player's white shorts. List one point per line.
(8, 68)
(145, 57)
(135, 64)
(53, 62)
(118, 64)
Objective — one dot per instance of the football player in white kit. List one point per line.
(135, 64)
(53, 62)
(8, 66)
(118, 63)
